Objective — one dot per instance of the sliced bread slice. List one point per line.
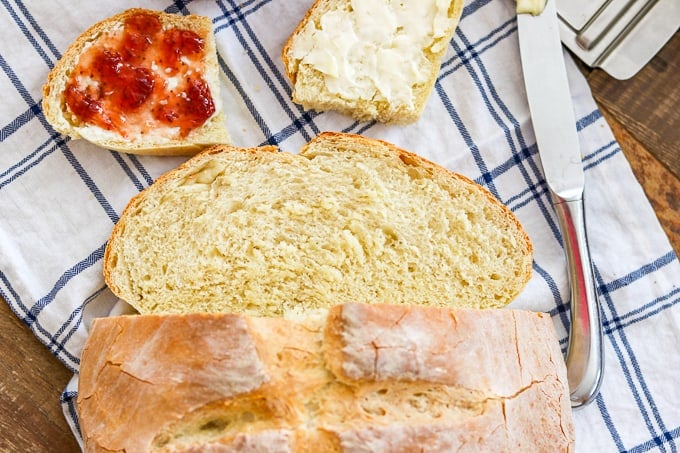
(348, 219)
(142, 82)
(372, 60)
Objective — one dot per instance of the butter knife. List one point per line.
(552, 115)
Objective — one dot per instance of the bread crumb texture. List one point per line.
(349, 219)
(365, 378)
(371, 59)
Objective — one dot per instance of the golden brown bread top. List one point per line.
(362, 378)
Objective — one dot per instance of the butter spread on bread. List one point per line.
(348, 219)
(361, 378)
(141, 81)
(371, 59)
(533, 7)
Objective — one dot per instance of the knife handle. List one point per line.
(585, 355)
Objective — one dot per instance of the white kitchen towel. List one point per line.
(59, 198)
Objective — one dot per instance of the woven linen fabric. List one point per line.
(59, 198)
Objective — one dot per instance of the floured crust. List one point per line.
(161, 353)
(127, 275)
(310, 91)
(199, 382)
(212, 132)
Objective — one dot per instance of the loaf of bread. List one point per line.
(142, 82)
(348, 219)
(372, 60)
(361, 378)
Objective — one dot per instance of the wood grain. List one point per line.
(661, 186)
(31, 382)
(648, 105)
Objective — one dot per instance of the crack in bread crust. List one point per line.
(299, 395)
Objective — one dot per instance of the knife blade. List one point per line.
(552, 115)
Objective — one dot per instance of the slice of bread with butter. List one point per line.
(370, 59)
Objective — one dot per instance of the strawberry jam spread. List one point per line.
(141, 77)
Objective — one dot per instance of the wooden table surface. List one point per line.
(643, 113)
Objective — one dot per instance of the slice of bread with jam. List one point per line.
(142, 82)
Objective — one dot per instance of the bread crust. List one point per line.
(120, 282)
(198, 381)
(288, 67)
(362, 110)
(212, 132)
